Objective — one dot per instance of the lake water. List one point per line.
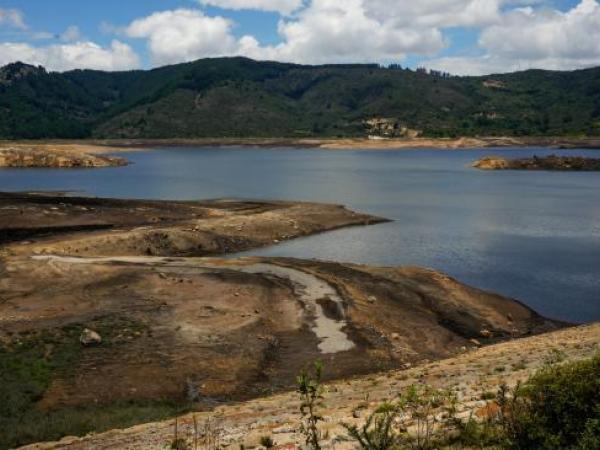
(534, 236)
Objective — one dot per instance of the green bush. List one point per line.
(559, 408)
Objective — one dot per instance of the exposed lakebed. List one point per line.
(533, 236)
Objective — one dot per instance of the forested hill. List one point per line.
(238, 97)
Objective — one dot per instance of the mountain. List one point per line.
(239, 97)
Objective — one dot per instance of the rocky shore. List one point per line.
(23, 156)
(552, 163)
(96, 147)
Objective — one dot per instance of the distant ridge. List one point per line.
(239, 97)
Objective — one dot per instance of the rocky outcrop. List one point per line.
(48, 157)
(552, 162)
(491, 163)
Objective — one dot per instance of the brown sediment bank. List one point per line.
(96, 226)
(178, 326)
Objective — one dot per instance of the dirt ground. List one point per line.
(470, 376)
(42, 223)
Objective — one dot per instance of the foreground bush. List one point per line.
(558, 408)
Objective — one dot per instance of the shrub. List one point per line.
(557, 408)
(378, 432)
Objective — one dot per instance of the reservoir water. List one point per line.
(534, 236)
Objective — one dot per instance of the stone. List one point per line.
(90, 338)
(284, 429)
(486, 334)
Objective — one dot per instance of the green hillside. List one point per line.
(238, 97)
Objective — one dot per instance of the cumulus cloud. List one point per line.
(344, 31)
(61, 57)
(324, 31)
(436, 13)
(13, 18)
(281, 6)
(535, 38)
(184, 35)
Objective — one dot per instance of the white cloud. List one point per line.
(344, 31)
(184, 35)
(514, 34)
(61, 57)
(436, 13)
(284, 7)
(324, 31)
(535, 38)
(12, 17)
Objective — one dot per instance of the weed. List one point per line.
(310, 390)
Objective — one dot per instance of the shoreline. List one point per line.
(104, 146)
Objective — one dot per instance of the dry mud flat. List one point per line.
(180, 326)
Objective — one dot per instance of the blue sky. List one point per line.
(461, 36)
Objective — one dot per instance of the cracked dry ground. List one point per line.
(177, 324)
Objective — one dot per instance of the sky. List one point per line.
(462, 37)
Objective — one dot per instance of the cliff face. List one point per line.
(51, 158)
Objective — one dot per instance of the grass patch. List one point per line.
(29, 362)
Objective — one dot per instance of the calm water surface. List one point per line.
(534, 236)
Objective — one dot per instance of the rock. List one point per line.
(486, 334)
(372, 299)
(475, 342)
(357, 413)
(492, 163)
(90, 338)
(395, 336)
(284, 429)
(34, 156)
(551, 162)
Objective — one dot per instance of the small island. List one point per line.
(65, 156)
(551, 162)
